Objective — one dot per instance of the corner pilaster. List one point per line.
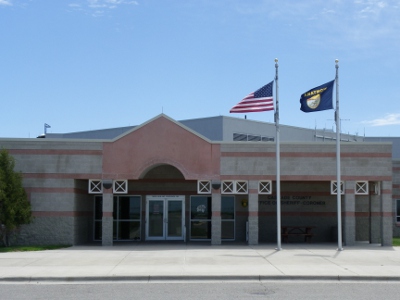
(386, 214)
(107, 220)
(349, 236)
(253, 213)
(216, 217)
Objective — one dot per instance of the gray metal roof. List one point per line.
(223, 128)
(227, 129)
(110, 133)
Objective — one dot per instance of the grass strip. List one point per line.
(32, 248)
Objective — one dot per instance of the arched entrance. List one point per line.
(165, 203)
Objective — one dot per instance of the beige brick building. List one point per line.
(210, 179)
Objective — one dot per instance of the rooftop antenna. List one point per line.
(45, 128)
(340, 123)
(315, 131)
(364, 135)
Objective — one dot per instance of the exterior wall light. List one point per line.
(216, 184)
(107, 184)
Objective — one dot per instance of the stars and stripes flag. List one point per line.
(260, 100)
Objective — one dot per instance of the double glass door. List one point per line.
(165, 217)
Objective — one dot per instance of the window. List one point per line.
(228, 218)
(398, 211)
(200, 217)
(244, 137)
(98, 217)
(126, 218)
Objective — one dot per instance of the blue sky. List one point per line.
(91, 64)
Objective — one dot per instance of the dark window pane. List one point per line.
(228, 230)
(253, 138)
(267, 139)
(227, 207)
(134, 208)
(398, 210)
(200, 207)
(128, 230)
(200, 230)
(98, 208)
(124, 208)
(97, 230)
(129, 208)
(239, 137)
(115, 234)
(115, 206)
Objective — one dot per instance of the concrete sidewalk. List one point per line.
(157, 261)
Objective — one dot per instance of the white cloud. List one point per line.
(5, 2)
(356, 25)
(98, 8)
(109, 3)
(389, 119)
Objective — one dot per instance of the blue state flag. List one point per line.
(318, 98)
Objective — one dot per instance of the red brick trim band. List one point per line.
(303, 178)
(62, 175)
(54, 152)
(55, 190)
(40, 214)
(306, 154)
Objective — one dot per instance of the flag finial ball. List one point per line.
(276, 60)
(336, 60)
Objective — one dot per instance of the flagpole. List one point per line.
(278, 162)
(338, 181)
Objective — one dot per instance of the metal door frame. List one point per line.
(166, 200)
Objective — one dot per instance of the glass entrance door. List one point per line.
(155, 219)
(165, 218)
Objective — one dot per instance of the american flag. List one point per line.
(260, 100)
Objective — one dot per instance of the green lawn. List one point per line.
(396, 241)
(31, 248)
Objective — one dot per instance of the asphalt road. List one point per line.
(205, 290)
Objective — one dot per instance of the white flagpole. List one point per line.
(338, 181)
(278, 161)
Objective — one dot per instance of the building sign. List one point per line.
(292, 200)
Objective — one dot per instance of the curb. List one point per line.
(166, 278)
